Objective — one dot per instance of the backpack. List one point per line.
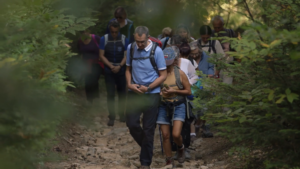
(231, 34)
(90, 61)
(155, 40)
(211, 45)
(151, 57)
(106, 39)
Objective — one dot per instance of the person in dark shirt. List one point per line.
(113, 47)
(126, 25)
(89, 51)
(220, 31)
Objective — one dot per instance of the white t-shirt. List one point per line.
(218, 48)
(189, 69)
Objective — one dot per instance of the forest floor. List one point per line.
(88, 143)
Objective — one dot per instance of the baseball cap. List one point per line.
(170, 55)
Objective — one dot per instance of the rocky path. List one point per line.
(97, 146)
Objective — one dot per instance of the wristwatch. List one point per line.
(148, 89)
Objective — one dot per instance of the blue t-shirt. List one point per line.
(204, 66)
(142, 70)
(102, 43)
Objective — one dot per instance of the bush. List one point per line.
(33, 58)
(264, 101)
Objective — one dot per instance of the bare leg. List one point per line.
(165, 129)
(176, 133)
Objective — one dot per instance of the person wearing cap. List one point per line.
(172, 110)
(188, 68)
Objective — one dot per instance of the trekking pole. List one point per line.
(162, 149)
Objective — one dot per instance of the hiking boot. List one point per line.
(197, 127)
(206, 132)
(175, 156)
(145, 167)
(111, 122)
(193, 138)
(170, 161)
(187, 155)
(181, 155)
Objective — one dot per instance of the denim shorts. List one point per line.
(163, 117)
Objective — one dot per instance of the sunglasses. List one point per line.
(119, 17)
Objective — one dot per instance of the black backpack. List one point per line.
(151, 57)
(231, 34)
(211, 45)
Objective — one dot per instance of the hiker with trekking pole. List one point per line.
(173, 108)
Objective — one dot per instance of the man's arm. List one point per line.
(104, 60)
(134, 87)
(123, 62)
(162, 77)
(210, 71)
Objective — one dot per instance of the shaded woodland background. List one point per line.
(264, 101)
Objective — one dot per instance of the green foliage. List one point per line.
(33, 58)
(264, 100)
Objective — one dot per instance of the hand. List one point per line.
(135, 88)
(210, 76)
(116, 69)
(169, 90)
(144, 89)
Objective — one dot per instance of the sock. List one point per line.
(181, 147)
(193, 134)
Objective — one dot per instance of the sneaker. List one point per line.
(193, 138)
(175, 156)
(181, 155)
(170, 161)
(187, 154)
(197, 127)
(111, 122)
(206, 132)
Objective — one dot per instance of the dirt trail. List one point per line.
(97, 146)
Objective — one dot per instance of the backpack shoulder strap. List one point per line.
(132, 52)
(213, 33)
(105, 39)
(152, 59)
(213, 46)
(123, 37)
(231, 33)
(192, 60)
(94, 39)
(177, 77)
(165, 44)
(130, 23)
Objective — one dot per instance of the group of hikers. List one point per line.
(153, 78)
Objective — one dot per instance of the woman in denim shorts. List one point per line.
(172, 110)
